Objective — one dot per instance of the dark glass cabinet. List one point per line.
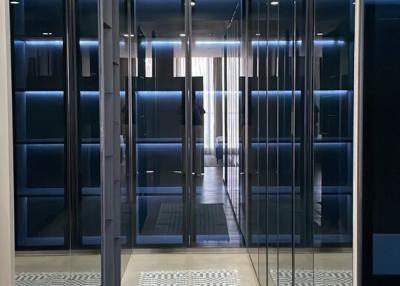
(56, 125)
(87, 208)
(39, 123)
(300, 137)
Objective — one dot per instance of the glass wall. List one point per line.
(264, 158)
(300, 79)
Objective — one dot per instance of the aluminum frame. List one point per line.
(110, 113)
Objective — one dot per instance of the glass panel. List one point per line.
(87, 210)
(159, 87)
(232, 90)
(257, 136)
(272, 141)
(285, 144)
(333, 129)
(89, 131)
(127, 216)
(303, 251)
(255, 190)
(39, 101)
(258, 37)
(234, 86)
(41, 210)
(215, 222)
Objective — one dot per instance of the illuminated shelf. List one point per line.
(289, 93)
(48, 93)
(287, 190)
(166, 94)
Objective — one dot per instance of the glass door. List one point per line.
(217, 78)
(159, 121)
(205, 208)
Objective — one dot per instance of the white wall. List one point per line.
(6, 153)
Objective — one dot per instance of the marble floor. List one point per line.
(232, 261)
(215, 259)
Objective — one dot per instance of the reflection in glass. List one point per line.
(38, 69)
(89, 130)
(215, 60)
(41, 209)
(332, 138)
(159, 116)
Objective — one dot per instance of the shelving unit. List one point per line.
(43, 203)
(332, 158)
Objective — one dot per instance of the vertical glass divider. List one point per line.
(133, 171)
(72, 137)
(308, 129)
(293, 139)
(189, 147)
(131, 160)
(247, 144)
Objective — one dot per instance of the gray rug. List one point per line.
(210, 220)
(314, 278)
(58, 279)
(190, 277)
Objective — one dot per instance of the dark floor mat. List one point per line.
(210, 220)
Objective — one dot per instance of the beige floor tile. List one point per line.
(189, 261)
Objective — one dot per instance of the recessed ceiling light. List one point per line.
(320, 34)
(45, 34)
(274, 3)
(182, 35)
(258, 34)
(127, 35)
(192, 3)
(14, 2)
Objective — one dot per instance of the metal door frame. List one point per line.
(109, 73)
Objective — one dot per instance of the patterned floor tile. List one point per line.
(57, 279)
(314, 278)
(190, 277)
